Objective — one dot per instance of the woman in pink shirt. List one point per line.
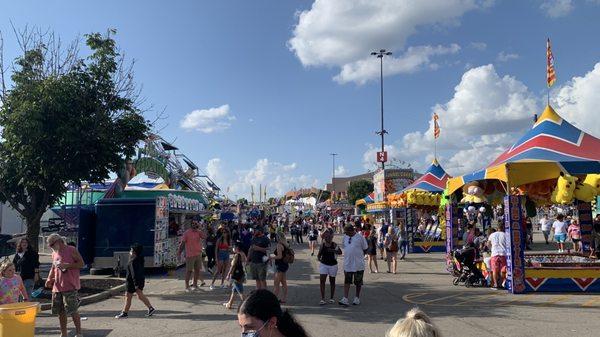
(574, 233)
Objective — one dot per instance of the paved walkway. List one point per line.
(422, 281)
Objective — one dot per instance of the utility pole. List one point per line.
(380, 54)
(333, 174)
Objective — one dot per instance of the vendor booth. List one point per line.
(553, 163)
(417, 207)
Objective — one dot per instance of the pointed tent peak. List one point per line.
(548, 115)
(435, 162)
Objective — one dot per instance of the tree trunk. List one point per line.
(33, 231)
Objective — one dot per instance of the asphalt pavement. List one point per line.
(422, 281)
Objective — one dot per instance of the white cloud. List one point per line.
(505, 57)
(208, 120)
(557, 8)
(483, 117)
(481, 46)
(578, 101)
(277, 177)
(414, 59)
(340, 171)
(343, 33)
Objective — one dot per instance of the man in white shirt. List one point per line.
(499, 244)
(545, 226)
(560, 232)
(354, 246)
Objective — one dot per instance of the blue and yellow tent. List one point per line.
(551, 146)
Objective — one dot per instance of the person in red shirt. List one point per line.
(192, 241)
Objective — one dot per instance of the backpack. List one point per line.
(393, 246)
(288, 255)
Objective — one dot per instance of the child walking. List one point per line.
(135, 280)
(237, 275)
(11, 285)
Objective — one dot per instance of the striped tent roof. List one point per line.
(552, 145)
(433, 180)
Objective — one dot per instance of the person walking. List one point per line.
(63, 279)
(222, 256)
(281, 268)
(559, 227)
(135, 280)
(354, 246)
(261, 315)
(391, 250)
(545, 226)
(382, 232)
(313, 235)
(210, 249)
(27, 265)
(372, 251)
(574, 232)
(403, 240)
(499, 245)
(11, 284)
(328, 266)
(258, 258)
(237, 275)
(192, 242)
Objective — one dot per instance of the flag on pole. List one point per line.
(550, 74)
(436, 126)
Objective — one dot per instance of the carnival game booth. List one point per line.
(420, 201)
(553, 163)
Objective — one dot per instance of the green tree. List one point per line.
(359, 189)
(242, 201)
(65, 119)
(324, 196)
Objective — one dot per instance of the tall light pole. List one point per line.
(380, 54)
(333, 166)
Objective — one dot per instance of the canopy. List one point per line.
(370, 198)
(552, 145)
(433, 180)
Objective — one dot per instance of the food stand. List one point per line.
(552, 151)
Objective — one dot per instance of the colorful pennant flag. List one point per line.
(436, 126)
(550, 74)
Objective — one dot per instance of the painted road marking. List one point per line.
(443, 298)
(477, 299)
(408, 297)
(517, 298)
(591, 302)
(554, 300)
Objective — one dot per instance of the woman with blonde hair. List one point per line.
(415, 324)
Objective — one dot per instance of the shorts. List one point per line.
(576, 240)
(131, 287)
(328, 270)
(223, 255)
(355, 277)
(193, 263)
(497, 263)
(66, 302)
(380, 245)
(282, 267)
(258, 271)
(560, 238)
(237, 286)
(312, 239)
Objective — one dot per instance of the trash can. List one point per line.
(18, 319)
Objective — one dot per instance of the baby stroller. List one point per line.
(465, 270)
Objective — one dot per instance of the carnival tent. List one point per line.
(551, 146)
(369, 199)
(433, 180)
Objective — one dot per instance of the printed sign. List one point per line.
(452, 216)
(381, 156)
(584, 210)
(515, 269)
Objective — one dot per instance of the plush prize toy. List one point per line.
(589, 189)
(473, 194)
(563, 192)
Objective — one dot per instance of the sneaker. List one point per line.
(223, 286)
(322, 302)
(122, 315)
(202, 284)
(356, 301)
(150, 312)
(188, 290)
(194, 288)
(343, 301)
(331, 301)
(212, 287)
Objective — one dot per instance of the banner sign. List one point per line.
(452, 217)
(584, 210)
(515, 261)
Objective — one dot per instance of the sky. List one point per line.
(261, 92)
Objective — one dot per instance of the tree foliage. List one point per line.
(242, 201)
(64, 122)
(359, 189)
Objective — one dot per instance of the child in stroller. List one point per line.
(465, 269)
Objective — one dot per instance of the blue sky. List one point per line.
(286, 88)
